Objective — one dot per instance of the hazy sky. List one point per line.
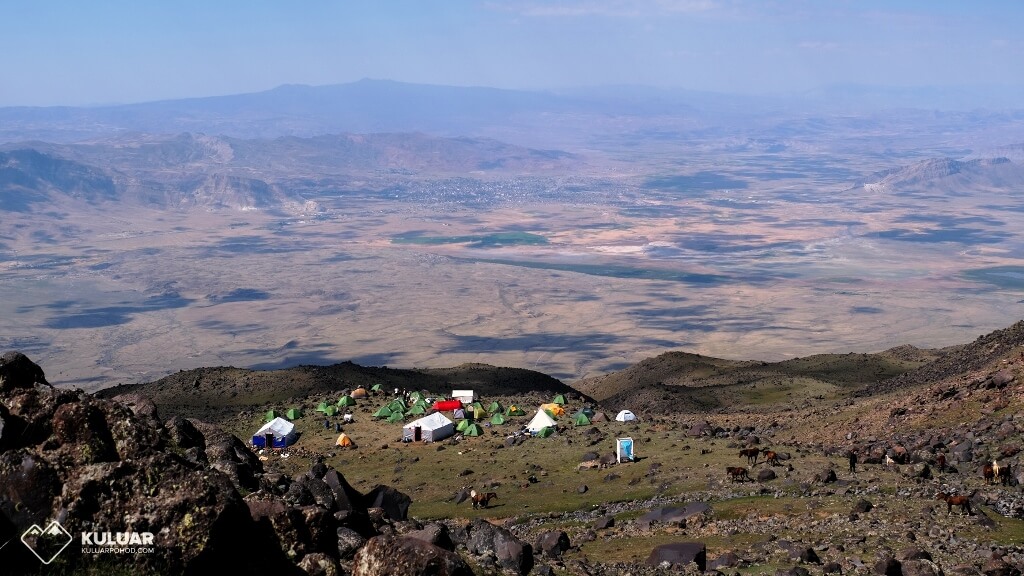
(96, 52)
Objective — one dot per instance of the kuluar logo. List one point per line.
(46, 543)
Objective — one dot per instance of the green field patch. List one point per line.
(496, 240)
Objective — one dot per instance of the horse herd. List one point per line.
(739, 473)
(990, 472)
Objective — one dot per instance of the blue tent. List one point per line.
(279, 431)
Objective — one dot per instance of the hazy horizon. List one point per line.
(70, 54)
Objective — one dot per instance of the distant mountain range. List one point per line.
(375, 106)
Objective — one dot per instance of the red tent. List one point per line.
(442, 405)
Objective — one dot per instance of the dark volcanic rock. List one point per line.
(404, 556)
(920, 568)
(94, 463)
(888, 567)
(17, 371)
(436, 534)
(511, 553)
(230, 455)
(395, 504)
(727, 560)
(349, 541)
(862, 506)
(185, 434)
(604, 522)
(679, 554)
(553, 543)
(766, 475)
(318, 564)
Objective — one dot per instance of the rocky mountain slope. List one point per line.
(187, 171)
(214, 393)
(118, 462)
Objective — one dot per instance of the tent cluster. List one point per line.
(469, 417)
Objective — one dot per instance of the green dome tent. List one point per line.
(321, 407)
(473, 430)
(545, 432)
(560, 399)
(497, 419)
(396, 417)
(271, 414)
(463, 424)
(383, 412)
(375, 388)
(346, 401)
(293, 413)
(398, 405)
(580, 419)
(331, 410)
(514, 411)
(415, 397)
(495, 407)
(416, 409)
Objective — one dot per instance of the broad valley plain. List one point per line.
(573, 234)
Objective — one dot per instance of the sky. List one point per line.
(69, 52)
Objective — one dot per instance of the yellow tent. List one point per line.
(344, 440)
(553, 409)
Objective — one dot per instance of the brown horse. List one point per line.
(771, 458)
(751, 454)
(738, 474)
(989, 473)
(482, 500)
(963, 502)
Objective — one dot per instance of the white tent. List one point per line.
(625, 416)
(428, 429)
(280, 431)
(466, 396)
(540, 421)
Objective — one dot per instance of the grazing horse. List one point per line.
(771, 458)
(989, 473)
(995, 469)
(751, 454)
(738, 474)
(482, 500)
(963, 502)
(940, 461)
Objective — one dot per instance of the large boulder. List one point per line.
(435, 533)
(17, 371)
(394, 503)
(679, 554)
(553, 543)
(231, 456)
(404, 556)
(509, 552)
